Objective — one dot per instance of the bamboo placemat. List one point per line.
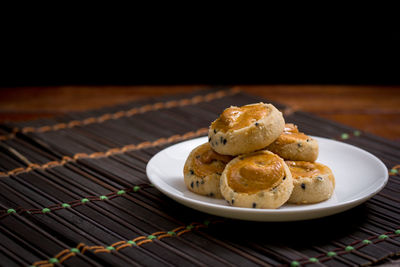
(75, 193)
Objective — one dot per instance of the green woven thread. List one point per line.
(313, 259)
(171, 233)
(84, 200)
(206, 222)
(383, 237)
(357, 133)
(344, 136)
(136, 188)
(66, 205)
(11, 211)
(121, 192)
(45, 210)
(110, 248)
(394, 171)
(331, 254)
(75, 250)
(53, 260)
(151, 237)
(103, 197)
(189, 227)
(366, 241)
(294, 264)
(349, 248)
(131, 242)
(397, 232)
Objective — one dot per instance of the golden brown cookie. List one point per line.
(313, 182)
(245, 129)
(203, 169)
(256, 180)
(294, 145)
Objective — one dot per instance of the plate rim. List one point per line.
(349, 203)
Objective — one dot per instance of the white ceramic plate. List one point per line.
(359, 176)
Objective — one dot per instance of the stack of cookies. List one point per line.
(254, 160)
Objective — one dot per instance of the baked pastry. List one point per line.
(257, 180)
(313, 182)
(294, 145)
(245, 129)
(203, 169)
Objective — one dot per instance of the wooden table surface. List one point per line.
(375, 109)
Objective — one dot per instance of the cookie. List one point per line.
(257, 180)
(294, 145)
(241, 130)
(203, 169)
(312, 182)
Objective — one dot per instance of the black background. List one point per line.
(195, 55)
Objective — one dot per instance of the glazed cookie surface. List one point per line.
(241, 130)
(313, 182)
(203, 169)
(257, 180)
(294, 145)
